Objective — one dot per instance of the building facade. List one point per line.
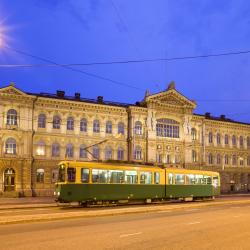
(39, 130)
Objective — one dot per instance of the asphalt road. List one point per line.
(214, 227)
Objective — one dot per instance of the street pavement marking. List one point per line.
(127, 235)
(193, 223)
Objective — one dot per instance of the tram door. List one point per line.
(9, 179)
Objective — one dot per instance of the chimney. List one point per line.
(100, 99)
(60, 93)
(223, 117)
(207, 115)
(77, 96)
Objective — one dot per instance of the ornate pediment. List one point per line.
(11, 90)
(170, 97)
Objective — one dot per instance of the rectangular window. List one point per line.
(85, 175)
(116, 176)
(146, 178)
(190, 179)
(199, 179)
(157, 177)
(170, 179)
(179, 179)
(61, 174)
(131, 177)
(99, 176)
(71, 173)
(207, 179)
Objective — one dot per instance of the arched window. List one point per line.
(83, 125)
(120, 154)
(96, 152)
(241, 141)
(210, 159)
(138, 153)
(42, 121)
(167, 128)
(9, 179)
(12, 117)
(193, 134)
(56, 122)
(69, 150)
(121, 128)
(248, 141)
(241, 161)
(234, 160)
(10, 146)
(83, 152)
(70, 123)
(138, 128)
(226, 139)
(55, 150)
(108, 153)
(218, 138)
(96, 126)
(109, 127)
(210, 137)
(40, 175)
(234, 140)
(40, 150)
(248, 161)
(218, 159)
(226, 160)
(194, 156)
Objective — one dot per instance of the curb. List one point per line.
(112, 212)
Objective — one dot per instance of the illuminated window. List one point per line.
(41, 121)
(70, 123)
(40, 150)
(12, 117)
(84, 175)
(179, 179)
(108, 127)
(167, 128)
(170, 179)
(10, 146)
(40, 175)
(138, 128)
(138, 153)
(83, 125)
(145, 178)
(131, 177)
(157, 177)
(71, 174)
(99, 176)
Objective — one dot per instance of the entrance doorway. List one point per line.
(9, 179)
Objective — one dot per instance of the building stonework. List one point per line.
(39, 130)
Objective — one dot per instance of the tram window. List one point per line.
(84, 175)
(61, 174)
(99, 176)
(199, 179)
(215, 181)
(116, 176)
(157, 177)
(207, 179)
(146, 178)
(170, 179)
(71, 172)
(179, 179)
(131, 177)
(190, 179)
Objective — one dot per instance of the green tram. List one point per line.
(97, 183)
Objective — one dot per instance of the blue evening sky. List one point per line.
(85, 31)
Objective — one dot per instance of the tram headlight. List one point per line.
(58, 193)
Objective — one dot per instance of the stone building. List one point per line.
(39, 130)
